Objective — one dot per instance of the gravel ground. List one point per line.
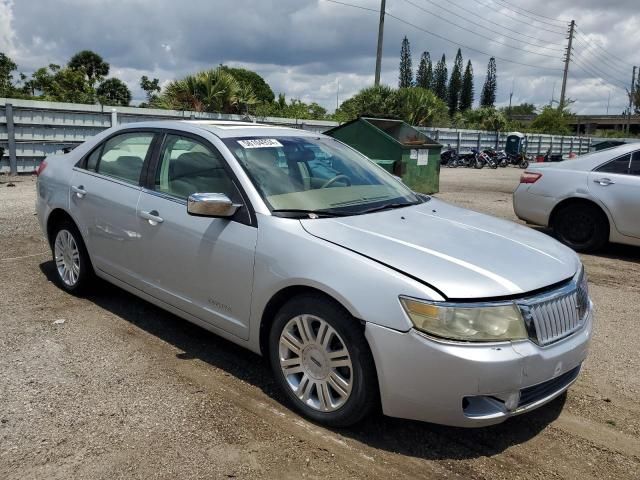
(111, 387)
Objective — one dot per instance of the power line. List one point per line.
(474, 22)
(468, 47)
(604, 60)
(594, 74)
(353, 6)
(588, 40)
(528, 23)
(479, 34)
(596, 68)
(445, 38)
(509, 7)
(486, 20)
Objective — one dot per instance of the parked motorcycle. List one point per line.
(490, 157)
(449, 157)
(518, 160)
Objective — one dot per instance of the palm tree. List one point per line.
(214, 90)
(246, 97)
(418, 106)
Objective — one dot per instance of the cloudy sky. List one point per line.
(307, 48)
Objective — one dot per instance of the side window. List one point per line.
(619, 165)
(635, 164)
(123, 155)
(92, 161)
(188, 166)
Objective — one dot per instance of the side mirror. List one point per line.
(211, 205)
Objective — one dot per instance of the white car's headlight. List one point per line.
(467, 322)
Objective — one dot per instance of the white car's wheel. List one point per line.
(73, 267)
(581, 226)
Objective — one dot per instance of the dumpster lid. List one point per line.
(398, 130)
(401, 132)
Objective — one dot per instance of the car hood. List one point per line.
(461, 253)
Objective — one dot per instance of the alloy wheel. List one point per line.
(315, 363)
(67, 257)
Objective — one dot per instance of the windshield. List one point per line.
(310, 174)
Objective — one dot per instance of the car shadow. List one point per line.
(417, 439)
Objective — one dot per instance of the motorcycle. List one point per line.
(479, 159)
(490, 157)
(518, 160)
(449, 157)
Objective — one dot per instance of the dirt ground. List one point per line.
(109, 386)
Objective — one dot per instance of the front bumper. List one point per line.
(471, 385)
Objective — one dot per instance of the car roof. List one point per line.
(593, 160)
(224, 128)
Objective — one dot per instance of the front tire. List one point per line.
(322, 362)
(583, 227)
(72, 263)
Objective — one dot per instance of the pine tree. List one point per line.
(424, 76)
(406, 71)
(466, 95)
(488, 97)
(440, 76)
(455, 84)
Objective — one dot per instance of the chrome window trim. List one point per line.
(108, 178)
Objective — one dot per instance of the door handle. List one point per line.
(604, 181)
(152, 216)
(79, 190)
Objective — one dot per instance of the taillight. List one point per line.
(530, 177)
(41, 167)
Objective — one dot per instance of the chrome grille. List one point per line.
(558, 314)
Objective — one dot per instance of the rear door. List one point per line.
(201, 265)
(105, 192)
(617, 185)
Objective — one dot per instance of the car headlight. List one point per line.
(467, 322)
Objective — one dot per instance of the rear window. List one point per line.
(619, 165)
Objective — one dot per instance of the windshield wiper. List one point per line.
(311, 213)
(387, 206)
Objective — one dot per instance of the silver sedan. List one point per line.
(588, 201)
(359, 291)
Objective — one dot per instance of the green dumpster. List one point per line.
(397, 147)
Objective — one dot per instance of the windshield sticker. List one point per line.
(260, 143)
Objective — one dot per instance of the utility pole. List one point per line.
(511, 96)
(631, 92)
(608, 102)
(567, 59)
(380, 35)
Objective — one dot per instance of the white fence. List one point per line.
(537, 144)
(30, 130)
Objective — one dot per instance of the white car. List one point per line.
(588, 201)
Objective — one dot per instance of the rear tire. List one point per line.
(73, 267)
(583, 227)
(322, 362)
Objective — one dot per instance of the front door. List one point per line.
(105, 192)
(617, 185)
(201, 265)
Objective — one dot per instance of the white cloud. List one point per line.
(305, 47)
